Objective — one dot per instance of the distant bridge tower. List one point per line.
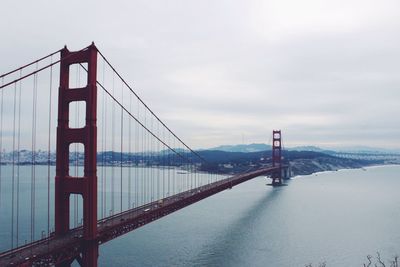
(277, 157)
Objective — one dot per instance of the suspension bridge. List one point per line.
(118, 166)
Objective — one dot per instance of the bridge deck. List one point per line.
(53, 250)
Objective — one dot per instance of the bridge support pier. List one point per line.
(90, 254)
(286, 173)
(64, 264)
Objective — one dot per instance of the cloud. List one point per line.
(325, 72)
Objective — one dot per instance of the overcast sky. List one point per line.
(224, 72)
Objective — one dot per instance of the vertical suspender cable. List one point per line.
(18, 154)
(104, 211)
(143, 166)
(169, 169)
(105, 161)
(49, 149)
(113, 148)
(33, 172)
(1, 135)
(158, 164)
(190, 164)
(193, 169)
(100, 161)
(154, 167)
(163, 164)
(130, 153)
(146, 150)
(149, 170)
(137, 149)
(149, 149)
(145, 160)
(151, 162)
(13, 168)
(145, 187)
(194, 172)
(102, 152)
(122, 130)
(173, 170)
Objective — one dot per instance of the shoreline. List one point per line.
(345, 169)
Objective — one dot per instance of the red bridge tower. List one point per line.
(277, 157)
(66, 185)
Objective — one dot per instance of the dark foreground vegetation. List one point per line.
(372, 261)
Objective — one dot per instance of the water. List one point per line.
(30, 216)
(333, 217)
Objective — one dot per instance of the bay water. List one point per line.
(334, 217)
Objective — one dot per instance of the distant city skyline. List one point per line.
(226, 72)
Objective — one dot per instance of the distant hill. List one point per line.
(367, 150)
(306, 148)
(301, 162)
(246, 148)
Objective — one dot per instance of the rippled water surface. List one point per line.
(333, 217)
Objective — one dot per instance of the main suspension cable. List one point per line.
(151, 111)
(29, 64)
(37, 69)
